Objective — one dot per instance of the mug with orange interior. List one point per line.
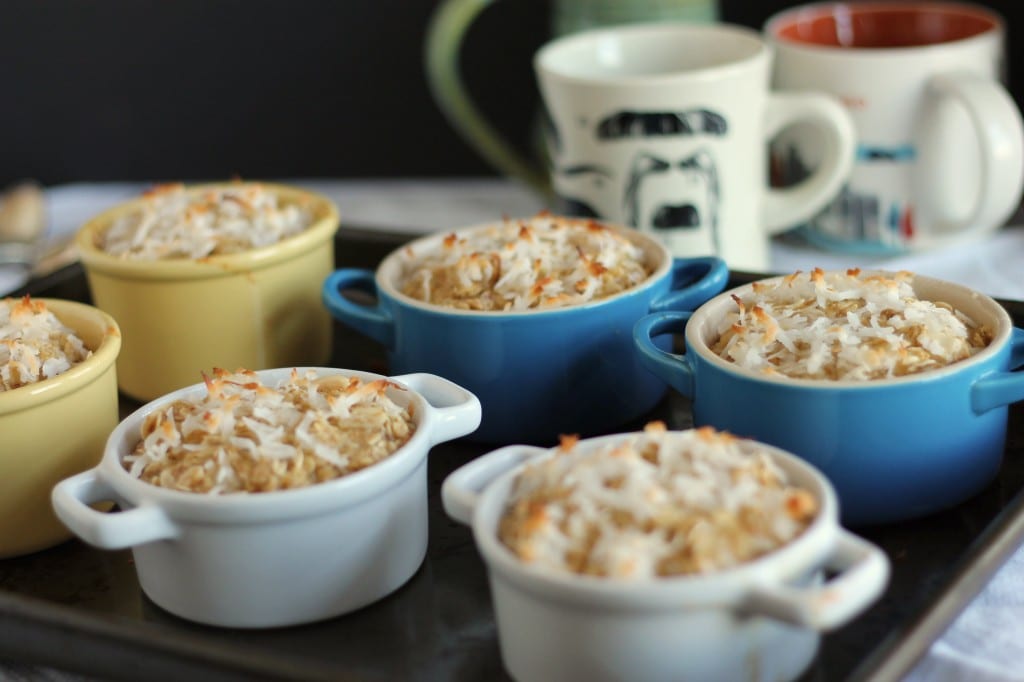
(939, 157)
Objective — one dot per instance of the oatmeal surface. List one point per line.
(175, 223)
(34, 344)
(543, 262)
(244, 436)
(844, 326)
(660, 503)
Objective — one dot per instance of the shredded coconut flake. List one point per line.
(244, 436)
(34, 344)
(177, 223)
(544, 262)
(655, 504)
(844, 326)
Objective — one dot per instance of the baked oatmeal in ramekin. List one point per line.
(58, 404)
(896, 385)
(217, 275)
(335, 462)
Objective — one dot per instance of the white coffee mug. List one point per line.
(665, 127)
(939, 156)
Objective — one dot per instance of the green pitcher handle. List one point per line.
(445, 32)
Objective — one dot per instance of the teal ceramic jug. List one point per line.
(452, 20)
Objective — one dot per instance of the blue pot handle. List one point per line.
(372, 320)
(1001, 388)
(694, 281)
(676, 370)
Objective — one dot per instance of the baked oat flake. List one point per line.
(244, 436)
(540, 263)
(174, 222)
(34, 344)
(844, 326)
(655, 504)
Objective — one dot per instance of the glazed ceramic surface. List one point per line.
(277, 558)
(665, 127)
(758, 621)
(895, 448)
(538, 374)
(256, 309)
(53, 429)
(940, 154)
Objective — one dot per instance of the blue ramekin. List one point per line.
(538, 373)
(895, 448)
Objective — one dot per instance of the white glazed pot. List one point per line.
(758, 621)
(277, 558)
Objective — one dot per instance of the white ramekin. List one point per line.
(758, 621)
(277, 558)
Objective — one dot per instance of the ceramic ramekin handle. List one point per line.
(674, 369)
(456, 410)
(862, 574)
(129, 528)
(461, 489)
(372, 320)
(694, 281)
(1000, 389)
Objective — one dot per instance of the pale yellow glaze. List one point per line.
(54, 429)
(257, 309)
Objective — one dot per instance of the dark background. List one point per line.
(198, 89)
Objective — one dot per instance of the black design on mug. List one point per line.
(660, 123)
(674, 194)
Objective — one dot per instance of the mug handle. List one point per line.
(694, 281)
(143, 524)
(445, 32)
(677, 370)
(1000, 131)
(462, 487)
(787, 207)
(373, 321)
(456, 410)
(1000, 389)
(862, 573)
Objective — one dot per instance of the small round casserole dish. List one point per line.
(894, 448)
(540, 372)
(257, 308)
(55, 428)
(758, 620)
(275, 558)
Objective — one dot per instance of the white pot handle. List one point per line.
(71, 499)
(863, 573)
(787, 207)
(462, 487)
(456, 411)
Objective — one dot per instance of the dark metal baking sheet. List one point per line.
(81, 609)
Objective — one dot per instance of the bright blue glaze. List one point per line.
(537, 375)
(893, 451)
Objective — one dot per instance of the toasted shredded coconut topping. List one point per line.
(660, 503)
(845, 326)
(243, 436)
(544, 262)
(34, 345)
(175, 223)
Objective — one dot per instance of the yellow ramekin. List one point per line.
(257, 309)
(54, 429)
